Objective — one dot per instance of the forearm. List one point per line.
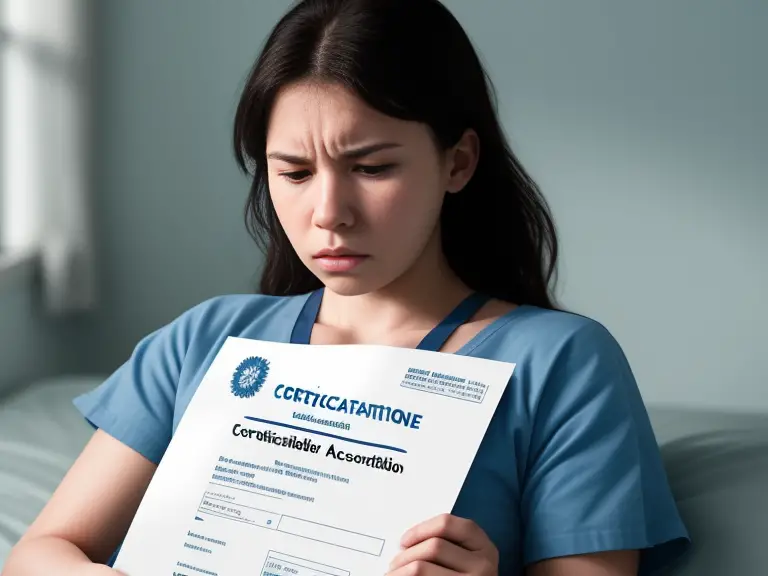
(613, 563)
(48, 555)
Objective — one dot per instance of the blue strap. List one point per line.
(434, 341)
(302, 330)
(113, 558)
(437, 337)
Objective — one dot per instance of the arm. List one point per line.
(87, 516)
(594, 481)
(620, 563)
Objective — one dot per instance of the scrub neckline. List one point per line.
(309, 304)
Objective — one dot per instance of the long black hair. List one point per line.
(412, 60)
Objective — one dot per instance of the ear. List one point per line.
(462, 161)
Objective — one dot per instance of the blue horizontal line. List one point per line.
(310, 431)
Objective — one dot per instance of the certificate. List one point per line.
(311, 460)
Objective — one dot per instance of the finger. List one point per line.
(439, 552)
(420, 568)
(460, 531)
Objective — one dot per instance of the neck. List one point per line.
(415, 301)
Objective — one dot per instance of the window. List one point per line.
(44, 93)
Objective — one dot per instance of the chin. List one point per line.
(351, 284)
(347, 286)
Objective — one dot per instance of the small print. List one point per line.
(444, 385)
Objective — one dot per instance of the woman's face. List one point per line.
(358, 193)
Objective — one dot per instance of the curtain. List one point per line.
(45, 145)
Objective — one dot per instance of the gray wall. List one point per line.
(33, 345)
(25, 341)
(644, 123)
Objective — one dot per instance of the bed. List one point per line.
(41, 434)
(717, 464)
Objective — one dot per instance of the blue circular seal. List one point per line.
(249, 377)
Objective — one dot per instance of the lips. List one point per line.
(339, 260)
(338, 253)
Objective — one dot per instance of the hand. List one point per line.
(446, 546)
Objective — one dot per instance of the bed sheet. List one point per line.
(41, 435)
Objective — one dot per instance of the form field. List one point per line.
(239, 512)
(279, 564)
(230, 503)
(330, 535)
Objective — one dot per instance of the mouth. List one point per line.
(337, 253)
(339, 260)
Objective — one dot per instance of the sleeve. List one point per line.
(594, 479)
(135, 405)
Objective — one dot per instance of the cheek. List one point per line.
(286, 209)
(407, 208)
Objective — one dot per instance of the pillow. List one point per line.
(720, 482)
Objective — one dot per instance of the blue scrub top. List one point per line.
(569, 463)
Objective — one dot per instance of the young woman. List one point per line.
(387, 198)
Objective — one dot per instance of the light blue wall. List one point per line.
(644, 123)
(169, 198)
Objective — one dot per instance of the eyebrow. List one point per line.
(351, 154)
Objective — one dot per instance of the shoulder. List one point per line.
(561, 358)
(550, 336)
(186, 345)
(154, 384)
(246, 315)
(194, 338)
(231, 307)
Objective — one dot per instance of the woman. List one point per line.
(386, 198)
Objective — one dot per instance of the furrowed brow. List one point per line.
(351, 154)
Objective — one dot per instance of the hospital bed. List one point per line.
(717, 464)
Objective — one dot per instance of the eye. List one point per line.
(296, 175)
(377, 170)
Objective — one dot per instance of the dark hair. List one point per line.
(409, 59)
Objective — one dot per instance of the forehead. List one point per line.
(306, 114)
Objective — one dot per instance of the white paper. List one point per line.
(226, 501)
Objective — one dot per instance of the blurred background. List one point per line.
(644, 123)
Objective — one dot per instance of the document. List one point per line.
(296, 460)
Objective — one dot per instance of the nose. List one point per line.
(333, 207)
